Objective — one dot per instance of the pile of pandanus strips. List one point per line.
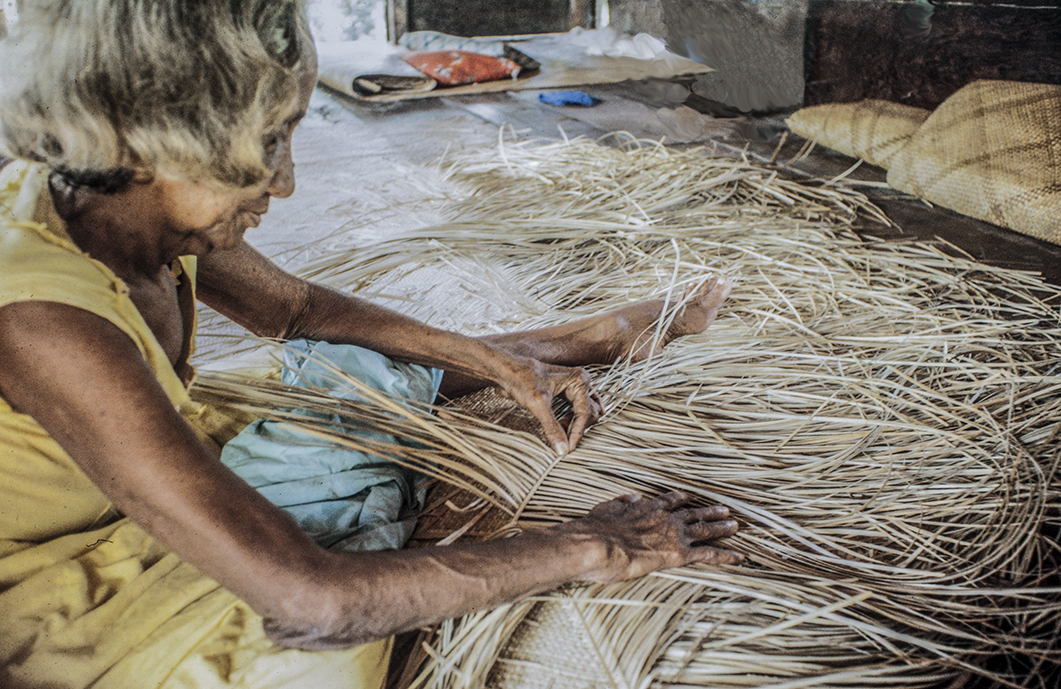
(881, 417)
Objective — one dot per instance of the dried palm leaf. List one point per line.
(882, 417)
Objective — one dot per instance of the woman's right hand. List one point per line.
(644, 535)
(620, 539)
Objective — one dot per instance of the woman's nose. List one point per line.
(282, 184)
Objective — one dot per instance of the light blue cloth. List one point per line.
(342, 498)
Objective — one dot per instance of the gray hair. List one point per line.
(183, 88)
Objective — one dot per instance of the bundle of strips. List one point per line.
(882, 418)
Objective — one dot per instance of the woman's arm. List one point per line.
(244, 285)
(86, 383)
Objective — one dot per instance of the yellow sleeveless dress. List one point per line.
(88, 598)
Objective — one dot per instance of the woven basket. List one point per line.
(874, 130)
(991, 151)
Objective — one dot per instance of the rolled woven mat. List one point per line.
(874, 130)
(991, 151)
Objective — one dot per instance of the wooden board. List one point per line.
(562, 67)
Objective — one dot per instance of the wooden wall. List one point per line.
(918, 54)
(489, 17)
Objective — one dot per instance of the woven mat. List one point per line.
(450, 509)
(991, 151)
(874, 130)
(550, 650)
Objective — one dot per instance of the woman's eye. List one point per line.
(273, 146)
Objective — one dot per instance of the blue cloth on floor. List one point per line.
(567, 98)
(342, 498)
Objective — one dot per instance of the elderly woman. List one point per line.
(147, 136)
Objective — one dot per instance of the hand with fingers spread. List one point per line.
(644, 535)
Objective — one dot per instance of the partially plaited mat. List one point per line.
(882, 418)
(992, 151)
(874, 130)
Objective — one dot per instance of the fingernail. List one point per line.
(561, 448)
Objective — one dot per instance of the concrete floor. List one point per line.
(367, 171)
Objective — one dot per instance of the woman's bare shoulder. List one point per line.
(44, 338)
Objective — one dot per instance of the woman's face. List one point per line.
(209, 219)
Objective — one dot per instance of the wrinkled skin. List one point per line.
(86, 383)
(648, 535)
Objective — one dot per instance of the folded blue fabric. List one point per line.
(343, 498)
(567, 98)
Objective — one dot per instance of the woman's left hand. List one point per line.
(535, 385)
(251, 290)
